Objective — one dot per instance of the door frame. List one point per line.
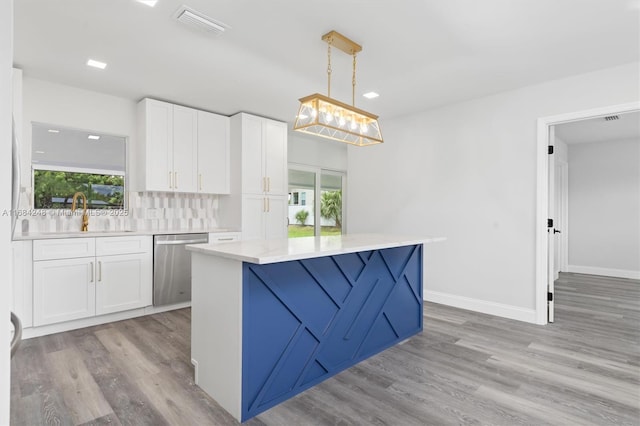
(542, 191)
(563, 221)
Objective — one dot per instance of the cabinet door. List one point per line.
(63, 290)
(213, 153)
(252, 158)
(276, 218)
(254, 208)
(185, 149)
(123, 282)
(275, 153)
(159, 147)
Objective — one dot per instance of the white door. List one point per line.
(550, 228)
(253, 181)
(213, 153)
(63, 290)
(254, 208)
(185, 149)
(276, 217)
(123, 282)
(275, 151)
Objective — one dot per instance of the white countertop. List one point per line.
(273, 251)
(88, 234)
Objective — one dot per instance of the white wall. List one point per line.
(604, 208)
(317, 152)
(6, 63)
(468, 172)
(67, 106)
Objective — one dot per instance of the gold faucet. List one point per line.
(85, 218)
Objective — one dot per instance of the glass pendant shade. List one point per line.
(326, 117)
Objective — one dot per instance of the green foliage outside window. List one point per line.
(55, 189)
(331, 206)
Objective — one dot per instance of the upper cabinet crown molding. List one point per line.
(182, 149)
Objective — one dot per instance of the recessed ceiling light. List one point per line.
(96, 64)
(94, 137)
(149, 3)
(371, 95)
(53, 131)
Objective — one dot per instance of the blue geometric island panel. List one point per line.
(306, 320)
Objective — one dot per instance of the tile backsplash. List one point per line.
(146, 211)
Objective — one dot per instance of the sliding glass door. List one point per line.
(310, 214)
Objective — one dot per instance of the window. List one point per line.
(310, 215)
(65, 161)
(54, 189)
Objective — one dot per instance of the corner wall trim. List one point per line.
(607, 272)
(483, 306)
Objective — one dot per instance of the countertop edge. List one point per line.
(219, 250)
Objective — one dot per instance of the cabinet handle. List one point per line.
(200, 181)
(225, 239)
(264, 205)
(99, 270)
(170, 180)
(92, 272)
(268, 205)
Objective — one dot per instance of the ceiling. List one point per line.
(627, 126)
(416, 54)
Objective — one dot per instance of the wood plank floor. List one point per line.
(466, 368)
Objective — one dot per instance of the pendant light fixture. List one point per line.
(328, 118)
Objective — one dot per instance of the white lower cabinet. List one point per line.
(122, 283)
(63, 290)
(66, 289)
(264, 217)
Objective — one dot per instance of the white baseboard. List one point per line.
(44, 330)
(607, 272)
(483, 306)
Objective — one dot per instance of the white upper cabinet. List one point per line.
(155, 135)
(252, 158)
(275, 157)
(258, 201)
(264, 155)
(181, 149)
(213, 153)
(185, 149)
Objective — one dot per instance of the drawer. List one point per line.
(63, 248)
(107, 246)
(223, 237)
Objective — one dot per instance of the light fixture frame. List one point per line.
(357, 132)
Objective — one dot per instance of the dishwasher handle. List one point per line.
(180, 242)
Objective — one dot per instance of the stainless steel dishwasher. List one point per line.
(172, 267)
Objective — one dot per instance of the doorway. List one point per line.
(546, 212)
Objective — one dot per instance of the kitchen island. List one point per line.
(273, 318)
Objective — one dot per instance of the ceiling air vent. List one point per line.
(612, 117)
(191, 17)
